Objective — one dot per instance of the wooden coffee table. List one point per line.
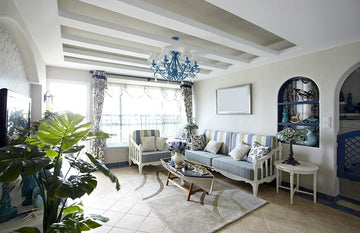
(204, 182)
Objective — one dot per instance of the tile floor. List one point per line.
(129, 214)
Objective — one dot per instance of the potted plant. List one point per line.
(190, 127)
(55, 140)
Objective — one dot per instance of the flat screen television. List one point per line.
(14, 114)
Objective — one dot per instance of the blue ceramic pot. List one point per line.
(312, 138)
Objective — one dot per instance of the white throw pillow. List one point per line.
(239, 152)
(213, 146)
(161, 144)
(148, 143)
(257, 150)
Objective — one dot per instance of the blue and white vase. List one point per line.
(312, 138)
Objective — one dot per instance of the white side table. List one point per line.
(305, 168)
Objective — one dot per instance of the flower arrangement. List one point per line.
(178, 147)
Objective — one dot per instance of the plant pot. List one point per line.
(178, 159)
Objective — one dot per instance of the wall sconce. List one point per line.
(48, 96)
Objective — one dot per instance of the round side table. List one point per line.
(304, 168)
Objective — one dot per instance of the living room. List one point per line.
(323, 47)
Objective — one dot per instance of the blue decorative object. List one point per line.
(7, 211)
(341, 97)
(285, 117)
(173, 69)
(312, 138)
(29, 183)
(350, 108)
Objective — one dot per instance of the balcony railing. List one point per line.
(122, 125)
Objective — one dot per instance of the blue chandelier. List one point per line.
(172, 69)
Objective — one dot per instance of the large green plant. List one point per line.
(57, 138)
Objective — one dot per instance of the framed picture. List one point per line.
(234, 100)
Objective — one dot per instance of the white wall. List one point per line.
(33, 64)
(326, 68)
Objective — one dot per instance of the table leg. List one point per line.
(277, 180)
(297, 182)
(314, 186)
(167, 180)
(190, 189)
(291, 187)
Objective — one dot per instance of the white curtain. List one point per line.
(131, 107)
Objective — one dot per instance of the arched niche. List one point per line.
(298, 108)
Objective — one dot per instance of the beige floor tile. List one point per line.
(256, 231)
(121, 230)
(102, 229)
(123, 206)
(304, 227)
(279, 225)
(235, 227)
(113, 216)
(130, 221)
(140, 208)
(253, 223)
(152, 225)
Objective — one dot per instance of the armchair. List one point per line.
(144, 155)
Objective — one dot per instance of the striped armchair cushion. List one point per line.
(220, 136)
(269, 141)
(137, 134)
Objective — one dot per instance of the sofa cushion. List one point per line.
(198, 142)
(137, 134)
(148, 143)
(202, 157)
(240, 168)
(240, 151)
(257, 151)
(154, 156)
(220, 136)
(213, 146)
(161, 144)
(237, 138)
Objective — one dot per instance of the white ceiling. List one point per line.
(119, 36)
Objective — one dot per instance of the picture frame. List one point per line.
(234, 100)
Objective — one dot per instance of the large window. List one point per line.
(70, 96)
(130, 107)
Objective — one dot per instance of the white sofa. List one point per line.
(256, 172)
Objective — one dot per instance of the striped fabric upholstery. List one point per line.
(237, 138)
(219, 136)
(137, 134)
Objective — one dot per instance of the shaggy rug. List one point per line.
(203, 213)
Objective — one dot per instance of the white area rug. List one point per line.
(203, 213)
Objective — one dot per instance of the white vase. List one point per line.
(178, 159)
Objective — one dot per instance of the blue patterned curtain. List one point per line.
(99, 86)
(186, 90)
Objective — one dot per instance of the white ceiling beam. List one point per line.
(106, 28)
(150, 13)
(100, 65)
(104, 46)
(110, 47)
(91, 55)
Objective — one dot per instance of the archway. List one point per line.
(348, 120)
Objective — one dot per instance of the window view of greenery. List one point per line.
(130, 107)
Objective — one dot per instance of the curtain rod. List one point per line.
(143, 78)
